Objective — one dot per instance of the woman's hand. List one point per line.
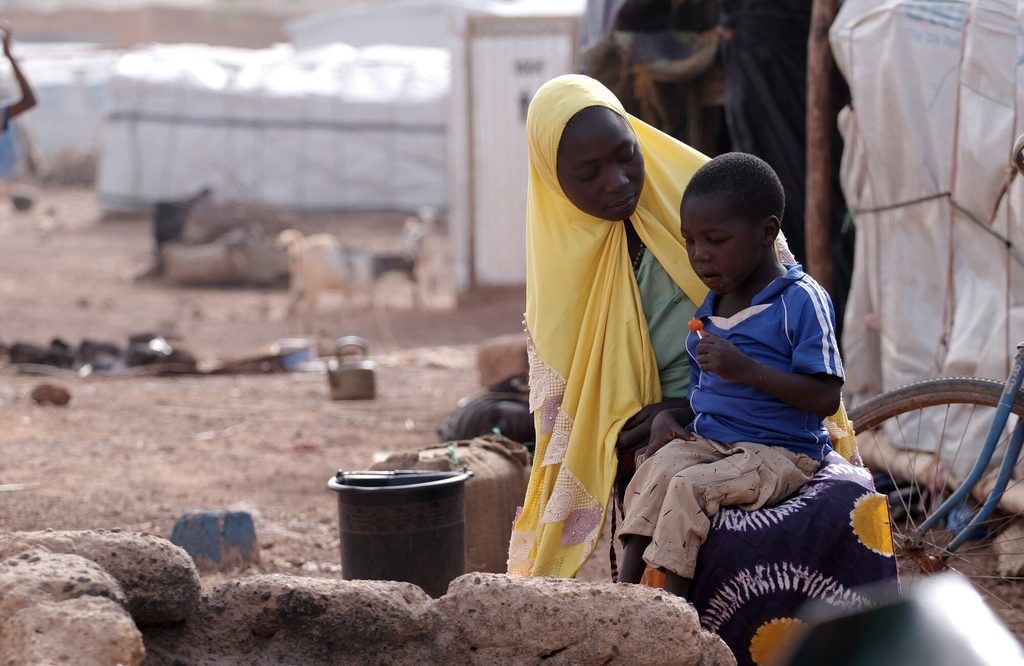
(636, 433)
(667, 426)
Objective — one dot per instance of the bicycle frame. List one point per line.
(1012, 387)
(1010, 390)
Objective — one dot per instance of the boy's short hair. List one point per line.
(744, 181)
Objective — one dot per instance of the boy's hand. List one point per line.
(722, 358)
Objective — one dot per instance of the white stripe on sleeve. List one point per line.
(822, 316)
(837, 362)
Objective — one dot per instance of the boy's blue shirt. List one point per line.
(790, 325)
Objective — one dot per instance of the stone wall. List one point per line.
(112, 597)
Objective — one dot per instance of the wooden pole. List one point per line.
(818, 202)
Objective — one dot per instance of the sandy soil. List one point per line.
(136, 453)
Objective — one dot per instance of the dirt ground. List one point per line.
(136, 453)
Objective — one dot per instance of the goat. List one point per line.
(322, 262)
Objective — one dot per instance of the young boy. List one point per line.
(765, 372)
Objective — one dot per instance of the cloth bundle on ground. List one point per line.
(143, 349)
(503, 409)
(500, 472)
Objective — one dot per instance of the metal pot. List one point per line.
(350, 375)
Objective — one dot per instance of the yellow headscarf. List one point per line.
(591, 362)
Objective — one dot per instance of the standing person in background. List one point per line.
(9, 143)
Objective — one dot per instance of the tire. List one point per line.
(915, 485)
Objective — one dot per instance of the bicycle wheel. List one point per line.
(919, 440)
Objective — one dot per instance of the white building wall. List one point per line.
(501, 63)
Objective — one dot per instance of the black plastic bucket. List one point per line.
(402, 525)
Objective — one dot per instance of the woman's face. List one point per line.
(599, 164)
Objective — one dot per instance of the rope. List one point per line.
(900, 204)
(612, 561)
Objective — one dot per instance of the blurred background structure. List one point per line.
(310, 105)
(351, 106)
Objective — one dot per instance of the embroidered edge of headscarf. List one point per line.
(570, 503)
(547, 389)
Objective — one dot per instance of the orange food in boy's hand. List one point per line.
(695, 325)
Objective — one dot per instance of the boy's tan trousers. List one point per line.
(676, 491)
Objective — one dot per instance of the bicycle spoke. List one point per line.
(963, 437)
(1012, 484)
(1008, 579)
(971, 557)
(913, 480)
(988, 592)
(896, 491)
(947, 471)
(921, 421)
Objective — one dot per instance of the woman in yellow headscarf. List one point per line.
(609, 294)
(609, 290)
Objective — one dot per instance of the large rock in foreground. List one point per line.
(484, 619)
(58, 608)
(280, 619)
(494, 619)
(86, 630)
(159, 578)
(65, 597)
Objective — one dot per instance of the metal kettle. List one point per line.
(350, 375)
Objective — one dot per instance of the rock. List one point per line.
(51, 394)
(87, 631)
(498, 619)
(36, 575)
(158, 578)
(274, 619)
(484, 619)
(500, 358)
(217, 540)
(22, 202)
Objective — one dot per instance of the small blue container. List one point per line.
(217, 540)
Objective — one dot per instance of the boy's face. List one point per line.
(600, 166)
(725, 248)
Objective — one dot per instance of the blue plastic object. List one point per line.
(217, 539)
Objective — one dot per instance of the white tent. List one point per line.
(331, 128)
(938, 285)
(69, 81)
(406, 22)
(410, 22)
